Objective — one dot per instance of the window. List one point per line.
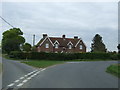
(46, 45)
(56, 45)
(70, 46)
(81, 47)
(56, 52)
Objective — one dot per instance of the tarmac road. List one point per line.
(76, 75)
(68, 75)
(12, 71)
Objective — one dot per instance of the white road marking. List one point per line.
(35, 72)
(30, 73)
(25, 81)
(20, 84)
(10, 84)
(32, 76)
(26, 75)
(29, 78)
(16, 81)
(43, 69)
(21, 77)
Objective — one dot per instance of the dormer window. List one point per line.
(70, 46)
(46, 45)
(81, 47)
(56, 45)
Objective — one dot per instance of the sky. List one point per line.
(82, 19)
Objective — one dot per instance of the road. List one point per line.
(13, 70)
(68, 75)
(0, 72)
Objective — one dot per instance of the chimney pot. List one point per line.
(63, 36)
(44, 35)
(75, 37)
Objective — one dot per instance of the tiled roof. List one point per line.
(64, 41)
(39, 42)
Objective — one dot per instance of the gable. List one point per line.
(80, 42)
(47, 38)
(63, 42)
(56, 42)
(70, 43)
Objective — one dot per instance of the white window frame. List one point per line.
(46, 45)
(56, 51)
(70, 46)
(56, 45)
(81, 47)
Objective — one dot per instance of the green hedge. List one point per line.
(63, 56)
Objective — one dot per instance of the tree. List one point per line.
(34, 48)
(12, 39)
(98, 45)
(118, 48)
(27, 47)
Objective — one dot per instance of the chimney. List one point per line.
(44, 35)
(63, 36)
(75, 37)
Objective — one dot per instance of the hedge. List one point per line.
(63, 56)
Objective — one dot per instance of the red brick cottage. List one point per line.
(61, 44)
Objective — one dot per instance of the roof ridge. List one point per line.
(63, 38)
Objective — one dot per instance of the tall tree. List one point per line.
(98, 45)
(12, 39)
(118, 48)
(27, 47)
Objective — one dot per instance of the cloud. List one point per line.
(84, 19)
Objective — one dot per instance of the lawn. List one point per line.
(114, 69)
(42, 63)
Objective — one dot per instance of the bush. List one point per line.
(114, 57)
(15, 54)
(63, 56)
(119, 56)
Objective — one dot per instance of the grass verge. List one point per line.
(42, 63)
(114, 69)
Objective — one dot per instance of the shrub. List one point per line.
(15, 54)
(63, 56)
(114, 57)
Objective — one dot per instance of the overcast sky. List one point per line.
(84, 19)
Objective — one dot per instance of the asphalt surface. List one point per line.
(68, 75)
(13, 70)
(75, 75)
(0, 72)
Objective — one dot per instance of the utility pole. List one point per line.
(33, 39)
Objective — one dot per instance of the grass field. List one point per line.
(42, 64)
(114, 69)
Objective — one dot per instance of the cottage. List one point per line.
(61, 44)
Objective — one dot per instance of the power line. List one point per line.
(13, 26)
(24, 33)
(6, 22)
